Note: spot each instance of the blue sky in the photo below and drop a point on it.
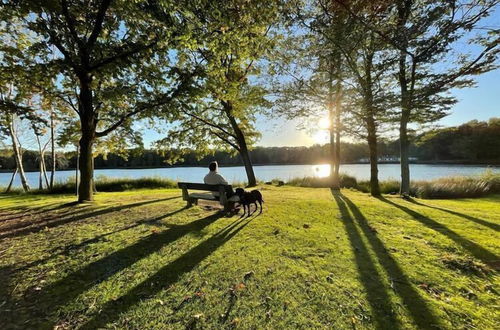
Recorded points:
(480, 102)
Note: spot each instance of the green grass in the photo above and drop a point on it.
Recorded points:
(140, 260)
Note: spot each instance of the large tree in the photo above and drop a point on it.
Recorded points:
(231, 38)
(109, 60)
(337, 55)
(425, 36)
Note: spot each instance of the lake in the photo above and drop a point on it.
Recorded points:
(269, 172)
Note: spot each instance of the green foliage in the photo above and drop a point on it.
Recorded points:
(231, 37)
(472, 141)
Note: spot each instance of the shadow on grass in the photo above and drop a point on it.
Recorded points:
(20, 212)
(473, 248)
(376, 290)
(28, 227)
(66, 251)
(5, 294)
(423, 317)
(491, 225)
(163, 278)
(57, 294)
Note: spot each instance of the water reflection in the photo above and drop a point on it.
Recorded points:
(269, 172)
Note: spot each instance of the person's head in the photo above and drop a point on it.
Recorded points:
(213, 166)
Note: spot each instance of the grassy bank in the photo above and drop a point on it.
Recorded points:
(107, 184)
(140, 260)
(450, 187)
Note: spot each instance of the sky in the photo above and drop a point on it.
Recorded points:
(480, 102)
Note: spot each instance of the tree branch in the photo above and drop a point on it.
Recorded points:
(208, 123)
(123, 55)
(98, 23)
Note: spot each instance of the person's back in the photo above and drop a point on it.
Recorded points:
(213, 177)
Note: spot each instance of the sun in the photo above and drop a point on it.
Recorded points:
(324, 122)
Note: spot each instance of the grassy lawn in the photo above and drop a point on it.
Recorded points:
(142, 260)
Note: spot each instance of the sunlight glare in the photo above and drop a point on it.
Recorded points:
(324, 123)
(321, 137)
(321, 171)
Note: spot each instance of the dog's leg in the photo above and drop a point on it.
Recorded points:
(260, 203)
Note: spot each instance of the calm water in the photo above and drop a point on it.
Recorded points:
(269, 172)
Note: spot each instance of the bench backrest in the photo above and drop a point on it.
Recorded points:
(205, 187)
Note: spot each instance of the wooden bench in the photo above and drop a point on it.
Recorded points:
(226, 194)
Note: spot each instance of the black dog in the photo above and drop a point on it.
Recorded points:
(249, 197)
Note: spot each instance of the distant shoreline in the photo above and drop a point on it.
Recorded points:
(451, 162)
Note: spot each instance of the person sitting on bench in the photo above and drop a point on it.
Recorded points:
(213, 177)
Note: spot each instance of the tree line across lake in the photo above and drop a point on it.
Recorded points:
(93, 74)
(473, 142)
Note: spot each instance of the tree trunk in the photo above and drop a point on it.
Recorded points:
(403, 128)
(40, 162)
(338, 111)
(404, 146)
(406, 89)
(18, 156)
(242, 144)
(40, 176)
(45, 170)
(88, 121)
(9, 187)
(331, 116)
(53, 149)
(85, 190)
(77, 170)
(245, 156)
(372, 145)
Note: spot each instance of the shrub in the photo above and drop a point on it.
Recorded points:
(346, 181)
(457, 187)
(106, 184)
(450, 187)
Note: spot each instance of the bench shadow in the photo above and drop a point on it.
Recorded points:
(491, 225)
(474, 249)
(165, 277)
(59, 293)
(25, 228)
(418, 309)
(376, 290)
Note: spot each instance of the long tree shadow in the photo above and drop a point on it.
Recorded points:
(376, 290)
(423, 317)
(166, 276)
(32, 210)
(68, 288)
(55, 220)
(68, 249)
(473, 248)
(5, 293)
(491, 225)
